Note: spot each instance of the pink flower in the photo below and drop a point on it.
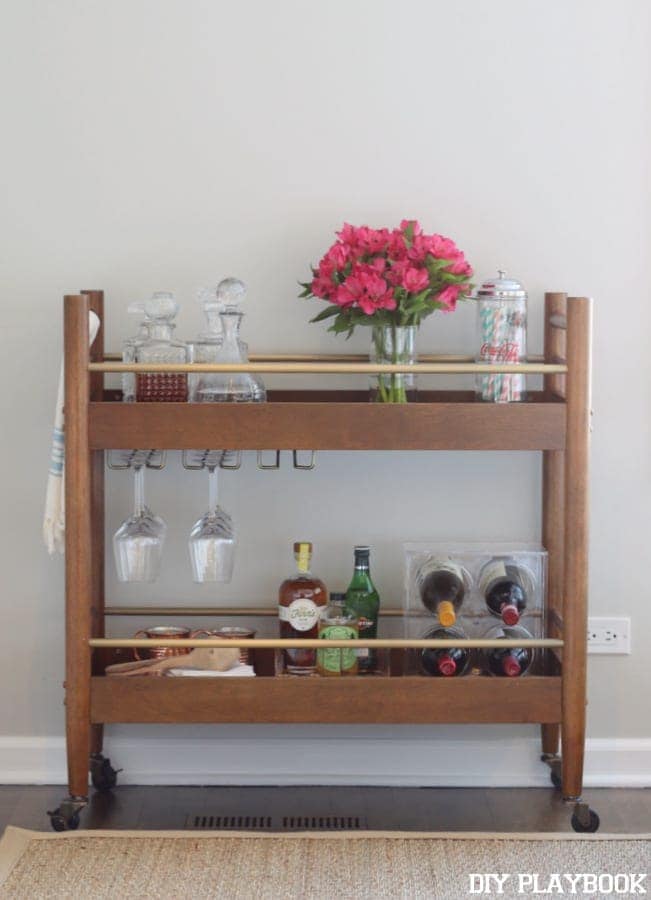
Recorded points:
(364, 288)
(460, 266)
(449, 296)
(415, 280)
(442, 247)
(348, 234)
(337, 256)
(378, 264)
(404, 225)
(376, 240)
(323, 286)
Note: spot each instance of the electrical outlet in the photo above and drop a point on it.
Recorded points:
(607, 635)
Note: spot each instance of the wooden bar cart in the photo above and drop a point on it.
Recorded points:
(555, 421)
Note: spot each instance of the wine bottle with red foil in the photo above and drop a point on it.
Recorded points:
(504, 587)
(442, 588)
(446, 662)
(508, 662)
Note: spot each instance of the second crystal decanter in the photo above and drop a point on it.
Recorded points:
(160, 347)
(229, 387)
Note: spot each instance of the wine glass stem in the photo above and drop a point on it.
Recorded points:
(139, 490)
(212, 491)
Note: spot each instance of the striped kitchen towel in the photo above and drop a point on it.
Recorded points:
(54, 520)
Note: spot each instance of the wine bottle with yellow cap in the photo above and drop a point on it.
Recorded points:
(441, 586)
(301, 601)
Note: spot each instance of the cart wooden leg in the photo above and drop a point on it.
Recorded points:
(553, 504)
(96, 303)
(79, 572)
(575, 608)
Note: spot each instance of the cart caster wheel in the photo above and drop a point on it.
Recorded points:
(555, 778)
(102, 774)
(585, 821)
(59, 822)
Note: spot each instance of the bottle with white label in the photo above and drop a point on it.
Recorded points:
(503, 585)
(301, 601)
(442, 589)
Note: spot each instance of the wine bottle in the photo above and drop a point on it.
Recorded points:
(449, 661)
(502, 583)
(363, 602)
(509, 662)
(441, 586)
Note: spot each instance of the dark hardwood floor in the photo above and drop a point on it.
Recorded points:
(420, 809)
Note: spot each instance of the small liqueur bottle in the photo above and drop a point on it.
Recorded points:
(502, 582)
(441, 586)
(363, 602)
(510, 662)
(337, 625)
(160, 347)
(301, 601)
(449, 661)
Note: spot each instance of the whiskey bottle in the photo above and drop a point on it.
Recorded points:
(301, 600)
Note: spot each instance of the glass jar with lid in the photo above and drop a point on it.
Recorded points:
(501, 338)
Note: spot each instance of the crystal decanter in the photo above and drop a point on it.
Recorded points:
(160, 347)
(129, 346)
(228, 387)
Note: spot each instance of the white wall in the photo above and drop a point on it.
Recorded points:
(165, 144)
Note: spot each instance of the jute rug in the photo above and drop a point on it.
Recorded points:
(98, 865)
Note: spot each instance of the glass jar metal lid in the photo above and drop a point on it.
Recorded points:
(501, 288)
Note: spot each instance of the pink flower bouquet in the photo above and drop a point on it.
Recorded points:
(373, 276)
(390, 280)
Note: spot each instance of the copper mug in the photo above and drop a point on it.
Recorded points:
(165, 632)
(230, 632)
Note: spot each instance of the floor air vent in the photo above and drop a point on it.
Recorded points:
(322, 823)
(235, 823)
(271, 823)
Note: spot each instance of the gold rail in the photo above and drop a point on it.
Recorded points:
(346, 357)
(212, 611)
(316, 643)
(336, 368)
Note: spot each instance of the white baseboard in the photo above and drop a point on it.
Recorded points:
(356, 761)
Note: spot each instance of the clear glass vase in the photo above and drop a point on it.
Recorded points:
(394, 344)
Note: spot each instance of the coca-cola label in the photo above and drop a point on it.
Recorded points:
(302, 614)
(505, 352)
(492, 571)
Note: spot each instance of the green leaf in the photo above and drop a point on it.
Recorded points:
(326, 313)
(409, 234)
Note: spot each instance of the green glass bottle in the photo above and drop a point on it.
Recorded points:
(363, 601)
